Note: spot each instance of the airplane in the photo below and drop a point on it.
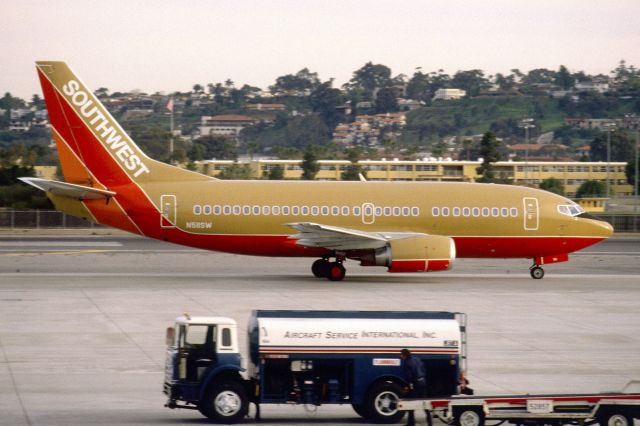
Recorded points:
(403, 226)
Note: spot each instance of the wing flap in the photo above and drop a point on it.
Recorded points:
(70, 190)
(344, 239)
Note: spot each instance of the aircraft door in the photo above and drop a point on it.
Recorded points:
(368, 213)
(169, 211)
(531, 214)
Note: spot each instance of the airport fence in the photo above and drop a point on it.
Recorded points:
(9, 218)
(41, 219)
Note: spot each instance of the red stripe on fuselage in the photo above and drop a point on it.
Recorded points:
(281, 245)
(521, 246)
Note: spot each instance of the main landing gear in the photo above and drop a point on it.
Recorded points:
(333, 271)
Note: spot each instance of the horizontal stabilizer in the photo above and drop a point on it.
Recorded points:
(70, 190)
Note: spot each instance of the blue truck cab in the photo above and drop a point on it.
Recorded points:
(311, 357)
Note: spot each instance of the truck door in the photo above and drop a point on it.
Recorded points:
(531, 216)
(169, 211)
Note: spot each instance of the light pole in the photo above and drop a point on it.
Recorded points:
(609, 127)
(526, 123)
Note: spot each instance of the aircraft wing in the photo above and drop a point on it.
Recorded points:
(337, 238)
(65, 189)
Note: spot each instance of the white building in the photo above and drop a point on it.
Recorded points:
(225, 125)
(448, 94)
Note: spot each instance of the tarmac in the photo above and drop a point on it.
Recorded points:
(83, 317)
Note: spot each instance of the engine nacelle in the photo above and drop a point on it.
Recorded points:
(428, 253)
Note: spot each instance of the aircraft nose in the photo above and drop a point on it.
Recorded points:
(607, 229)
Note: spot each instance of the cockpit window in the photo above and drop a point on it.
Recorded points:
(570, 210)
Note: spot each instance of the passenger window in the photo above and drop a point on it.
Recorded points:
(266, 210)
(335, 211)
(456, 211)
(275, 210)
(475, 211)
(217, 209)
(206, 209)
(485, 211)
(285, 210)
(256, 210)
(345, 211)
(305, 210)
(505, 212)
(197, 209)
(466, 211)
(405, 211)
(495, 212)
(415, 211)
(315, 211)
(387, 211)
(445, 211)
(514, 212)
(356, 211)
(246, 210)
(435, 211)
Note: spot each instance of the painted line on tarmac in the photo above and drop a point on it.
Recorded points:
(39, 252)
(605, 253)
(60, 244)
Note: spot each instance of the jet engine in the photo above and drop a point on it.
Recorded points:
(428, 253)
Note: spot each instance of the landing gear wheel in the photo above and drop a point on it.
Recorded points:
(336, 272)
(320, 268)
(537, 272)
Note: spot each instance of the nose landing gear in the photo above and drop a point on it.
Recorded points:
(333, 271)
(536, 272)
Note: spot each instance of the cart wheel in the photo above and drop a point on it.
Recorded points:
(615, 418)
(468, 416)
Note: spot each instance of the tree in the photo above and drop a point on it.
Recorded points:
(591, 188)
(418, 87)
(490, 152)
(276, 173)
(300, 81)
(386, 100)
(564, 78)
(324, 100)
(216, 146)
(197, 88)
(553, 185)
(353, 170)
(473, 81)
(310, 166)
(236, 172)
(306, 130)
(370, 77)
(621, 146)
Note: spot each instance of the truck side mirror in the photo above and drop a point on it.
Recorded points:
(171, 336)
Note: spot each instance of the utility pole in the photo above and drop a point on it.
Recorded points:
(170, 108)
(526, 123)
(609, 127)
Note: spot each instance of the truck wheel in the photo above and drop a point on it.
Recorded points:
(467, 416)
(615, 418)
(381, 403)
(225, 403)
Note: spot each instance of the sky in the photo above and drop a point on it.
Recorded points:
(169, 45)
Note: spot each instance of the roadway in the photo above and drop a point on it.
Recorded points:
(82, 320)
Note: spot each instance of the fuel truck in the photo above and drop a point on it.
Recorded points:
(311, 358)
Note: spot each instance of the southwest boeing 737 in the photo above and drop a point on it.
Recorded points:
(404, 226)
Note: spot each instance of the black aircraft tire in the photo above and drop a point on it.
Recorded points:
(320, 268)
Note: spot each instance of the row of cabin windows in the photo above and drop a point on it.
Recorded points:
(475, 211)
(366, 209)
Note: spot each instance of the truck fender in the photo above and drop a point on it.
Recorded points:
(222, 370)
